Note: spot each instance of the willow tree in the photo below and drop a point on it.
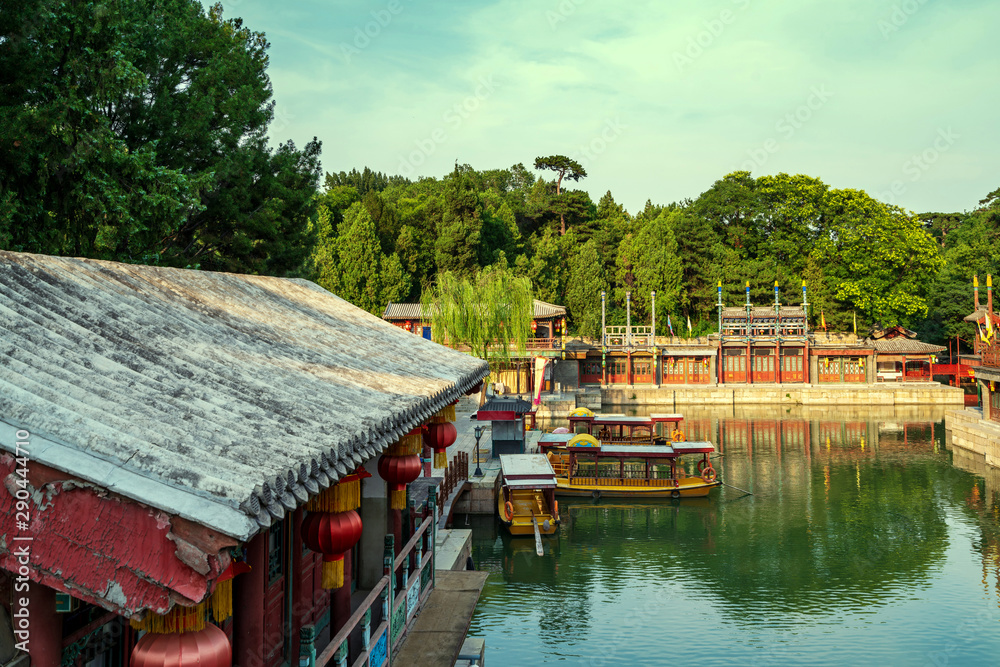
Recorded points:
(490, 313)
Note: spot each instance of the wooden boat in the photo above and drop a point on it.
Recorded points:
(617, 429)
(586, 466)
(526, 502)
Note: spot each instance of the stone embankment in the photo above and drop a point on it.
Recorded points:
(976, 437)
(669, 398)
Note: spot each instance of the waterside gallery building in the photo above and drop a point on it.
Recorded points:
(200, 468)
(756, 344)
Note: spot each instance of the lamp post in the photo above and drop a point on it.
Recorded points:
(479, 433)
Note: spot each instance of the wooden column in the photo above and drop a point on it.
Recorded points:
(301, 599)
(340, 600)
(248, 605)
(44, 624)
(777, 363)
(805, 362)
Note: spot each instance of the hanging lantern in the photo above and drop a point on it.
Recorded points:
(208, 647)
(400, 464)
(332, 534)
(332, 526)
(398, 471)
(534, 326)
(439, 437)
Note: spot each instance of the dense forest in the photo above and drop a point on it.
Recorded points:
(384, 238)
(131, 142)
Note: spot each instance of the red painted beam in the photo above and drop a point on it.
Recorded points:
(100, 547)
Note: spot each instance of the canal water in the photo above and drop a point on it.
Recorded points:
(866, 541)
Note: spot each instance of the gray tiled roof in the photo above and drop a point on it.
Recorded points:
(222, 398)
(903, 346)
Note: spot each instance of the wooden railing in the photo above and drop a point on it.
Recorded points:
(456, 473)
(636, 336)
(544, 344)
(407, 581)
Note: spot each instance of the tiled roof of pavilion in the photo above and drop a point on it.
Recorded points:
(225, 399)
(903, 346)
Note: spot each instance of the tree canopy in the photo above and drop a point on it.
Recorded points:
(565, 168)
(137, 131)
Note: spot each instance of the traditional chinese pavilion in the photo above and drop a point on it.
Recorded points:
(987, 348)
(201, 467)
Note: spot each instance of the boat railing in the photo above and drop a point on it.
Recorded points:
(646, 439)
(614, 481)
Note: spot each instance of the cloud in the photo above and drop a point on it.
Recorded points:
(565, 68)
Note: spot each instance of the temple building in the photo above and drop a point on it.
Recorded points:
(210, 461)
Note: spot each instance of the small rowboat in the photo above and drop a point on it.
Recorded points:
(526, 503)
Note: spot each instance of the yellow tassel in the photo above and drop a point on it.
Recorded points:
(340, 497)
(177, 620)
(441, 459)
(222, 600)
(446, 414)
(333, 573)
(397, 499)
(408, 445)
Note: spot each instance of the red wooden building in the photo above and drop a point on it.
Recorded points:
(185, 449)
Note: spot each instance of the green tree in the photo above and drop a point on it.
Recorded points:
(547, 267)
(881, 258)
(138, 131)
(586, 279)
(352, 264)
(565, 168)
(490, 312)
(648, 261)
(460, 230)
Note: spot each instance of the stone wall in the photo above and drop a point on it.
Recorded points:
(670, 398)
(968, 431)
(566, 373)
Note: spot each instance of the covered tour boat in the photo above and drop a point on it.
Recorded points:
(617, 429)
(586, 466)
(526, 502)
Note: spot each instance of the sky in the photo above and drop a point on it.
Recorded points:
(657, 100)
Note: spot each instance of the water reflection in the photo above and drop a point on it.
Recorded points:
(860, 536)
(981, 496)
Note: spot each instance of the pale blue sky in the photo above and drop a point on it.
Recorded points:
(657, 99)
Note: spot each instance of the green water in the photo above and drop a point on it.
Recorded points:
(863, 543)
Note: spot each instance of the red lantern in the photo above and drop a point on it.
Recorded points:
(332, 535)
(439, 437)
(207, 648)
(534, 326)
(398, 471)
